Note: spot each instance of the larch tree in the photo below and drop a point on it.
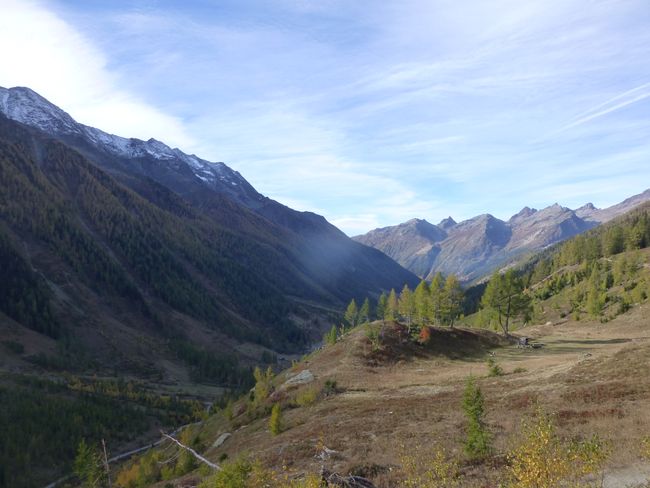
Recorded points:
(351, 316)
(392, 306)
(382, 306)
(364, 312)
(505, 296)
(422, 298)
(407, 306)
(436, 290)
(452, 299)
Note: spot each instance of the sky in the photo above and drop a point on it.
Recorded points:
(367, 112)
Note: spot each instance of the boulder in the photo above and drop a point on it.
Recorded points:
(221, 439)
(302, 378)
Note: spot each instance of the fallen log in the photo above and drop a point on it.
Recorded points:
(191, 451)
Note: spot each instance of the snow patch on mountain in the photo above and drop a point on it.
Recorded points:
(28, 107)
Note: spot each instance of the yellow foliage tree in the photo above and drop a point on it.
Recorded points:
(428, 469)
(543, 460)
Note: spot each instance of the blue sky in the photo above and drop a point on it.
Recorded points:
(370, 113)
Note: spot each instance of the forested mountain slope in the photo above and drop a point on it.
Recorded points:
(86, 250)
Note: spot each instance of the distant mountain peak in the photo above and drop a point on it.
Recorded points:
(588, 206)
(477, 246)
(414, 221)
(447, 223)
(523, 213)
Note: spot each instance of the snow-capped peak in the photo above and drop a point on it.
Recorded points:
(28, 107)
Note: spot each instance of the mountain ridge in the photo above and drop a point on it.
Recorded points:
(136, 244)
(476, 246)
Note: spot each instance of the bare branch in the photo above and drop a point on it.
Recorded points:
(192, 451)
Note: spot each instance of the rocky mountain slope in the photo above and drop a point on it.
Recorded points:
(473, 248)
(135, 253)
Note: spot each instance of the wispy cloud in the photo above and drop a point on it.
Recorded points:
(608, 108)
(369, 113)
(51, 56)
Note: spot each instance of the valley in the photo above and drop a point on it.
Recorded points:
(149, 290)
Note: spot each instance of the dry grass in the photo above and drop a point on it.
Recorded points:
(593, 376)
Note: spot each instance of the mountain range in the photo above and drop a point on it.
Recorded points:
(134, 251)
(475, 247)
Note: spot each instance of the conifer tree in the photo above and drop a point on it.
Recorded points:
(595, 296)
(436, 290)
(364, 312)
(478, 440)
(452, 299)
(88, 466)
(330, 337)
(275, 422)
(422, 298)
(406, 306)
(504, 296)
(382, 306)
(352, 314)
(392, 306)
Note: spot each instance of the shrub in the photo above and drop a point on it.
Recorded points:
(373, 335)
(428, 470)
(494, 368)
(330, 387)
(645, 447)
(244, 473)
(542, 460)
(330, 337)
(425, 335)
(262, 385)
(232, 475)
(307, 397)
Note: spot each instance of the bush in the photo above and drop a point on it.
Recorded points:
(232, 475)
(425, 335)
(244, 473)
(494, 368)
(307, 397)
(428, 469)
(330, 387)
(645, 447)
(542, 460)
(374, 336)
(330, 337)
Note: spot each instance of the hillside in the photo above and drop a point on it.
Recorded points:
(386, 406)
(128, 303)
(474, 248)
(124, 235)
(375, 411)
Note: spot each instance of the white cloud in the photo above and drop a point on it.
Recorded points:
(47, 54)
(367, 113)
